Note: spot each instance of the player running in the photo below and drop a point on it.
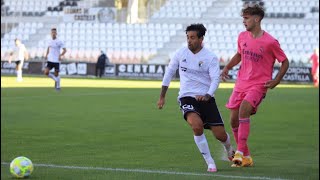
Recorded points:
(199, 78)
(257, 52)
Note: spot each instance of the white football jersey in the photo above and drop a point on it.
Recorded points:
(19, 52)
(54, 50)
(199, 73)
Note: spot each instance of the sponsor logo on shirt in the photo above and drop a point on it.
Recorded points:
(251, 55)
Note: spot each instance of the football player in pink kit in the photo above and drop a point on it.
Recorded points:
(257, 52)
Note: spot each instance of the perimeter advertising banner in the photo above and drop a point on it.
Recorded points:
(143, 71)
(140, 70)
(294, 74)
(31, 67)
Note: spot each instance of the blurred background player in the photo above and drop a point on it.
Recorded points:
(53, 57)
(199, 78)
(257, 52)
(19, 54)
(314, 59)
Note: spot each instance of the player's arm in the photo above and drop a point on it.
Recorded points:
(165, 84)
(233, 62)
(162, 98)
(26, 54)
(46, 57)
(64, 50)
(283, 69)
(170, 72)
(10, 56)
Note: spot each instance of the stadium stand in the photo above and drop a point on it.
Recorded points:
(294, 23)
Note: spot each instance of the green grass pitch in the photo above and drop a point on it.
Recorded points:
(112, 129)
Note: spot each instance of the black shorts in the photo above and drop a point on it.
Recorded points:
(207, 110)
(18, 62)
(51, 65)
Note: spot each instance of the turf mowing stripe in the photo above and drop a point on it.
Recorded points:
(63, 95)
(152, 171)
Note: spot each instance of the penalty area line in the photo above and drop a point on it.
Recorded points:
(151, 171)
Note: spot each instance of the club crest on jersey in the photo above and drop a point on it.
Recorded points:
(261, 49)
(183, 69)
(185, 60)
(200, 63)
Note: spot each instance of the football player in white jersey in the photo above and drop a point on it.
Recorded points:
(199, 72)
(19, 54)
(53, 57)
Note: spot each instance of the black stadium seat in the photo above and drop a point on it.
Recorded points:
(286, 15)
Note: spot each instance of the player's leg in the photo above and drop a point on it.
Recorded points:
(245, 111)
(56, 74)
(47, 69)
(316, 78)
(200, 139)
(190, 108)
(213, 120)
(234, 105)
(220, 133)
(19, 65)
(101, 71)
(234, 121)
(248, 107)
(97, 71)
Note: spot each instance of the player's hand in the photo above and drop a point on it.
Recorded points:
(46, 57)
(60, 57)
(203, 98)
(161, 103)
(271, 84)
(224, 74)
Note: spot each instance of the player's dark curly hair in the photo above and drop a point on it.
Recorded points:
(253, 9)
(201, 30)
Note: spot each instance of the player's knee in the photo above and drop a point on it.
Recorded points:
(197, 130)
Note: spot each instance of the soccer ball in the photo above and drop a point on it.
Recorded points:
(21, 167)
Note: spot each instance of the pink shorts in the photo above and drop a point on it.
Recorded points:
(252, 96)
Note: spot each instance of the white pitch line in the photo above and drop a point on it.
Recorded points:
(152, 171)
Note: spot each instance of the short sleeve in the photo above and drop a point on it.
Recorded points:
(278, 52)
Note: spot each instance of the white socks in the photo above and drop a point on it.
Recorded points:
(19, 75)
(202, 144)
(52, 76)
(56, 79)
(227, 143)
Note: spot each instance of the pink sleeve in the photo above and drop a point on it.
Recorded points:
(278, 52)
